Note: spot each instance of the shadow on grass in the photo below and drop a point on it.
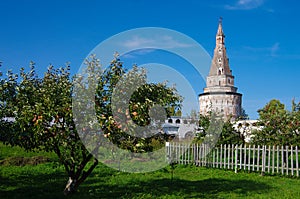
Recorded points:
(28, 185)
(39, 185)
(208, 188)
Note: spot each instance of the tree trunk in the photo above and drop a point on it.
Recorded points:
(75, 180)
(71, 186)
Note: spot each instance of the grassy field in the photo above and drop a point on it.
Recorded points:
(47, 180)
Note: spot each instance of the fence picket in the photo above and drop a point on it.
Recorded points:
(273, 158)
(218, 165)
(269, 158)
(282, 160)
(258, 156)
(225, 154)
(249, 157)
(297, 165)
(292, 161)
(236, 158)
(242, 149)
(287, 159)
(221, 151)
(277, 149)
(263, 156)
(253, 159)
(214, 154)
(266, 159)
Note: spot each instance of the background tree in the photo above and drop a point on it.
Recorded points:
(244, 115)
(280, 127)
(230, 136)
(7, 99)
(225, 132)
(295, 106)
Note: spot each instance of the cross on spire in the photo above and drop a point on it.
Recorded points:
(220, 20)
(220, 29)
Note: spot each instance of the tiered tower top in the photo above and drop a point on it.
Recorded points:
(220, 62)
(220, 77)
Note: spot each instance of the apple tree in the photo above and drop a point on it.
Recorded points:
(43, 113)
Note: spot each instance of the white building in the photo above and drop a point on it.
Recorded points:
(183, 128)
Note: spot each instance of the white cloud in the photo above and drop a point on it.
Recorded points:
(271, 51)
(245, 5)
(274, 49)
(137, 53)
(166, 42)
(137, 41)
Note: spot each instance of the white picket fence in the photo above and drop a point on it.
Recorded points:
(265, 159)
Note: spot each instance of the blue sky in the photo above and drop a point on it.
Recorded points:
(261, 36)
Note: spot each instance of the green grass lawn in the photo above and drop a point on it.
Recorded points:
(47, 180)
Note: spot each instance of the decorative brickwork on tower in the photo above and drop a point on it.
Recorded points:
(220, 95)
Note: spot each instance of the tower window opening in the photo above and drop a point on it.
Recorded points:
(220, 71)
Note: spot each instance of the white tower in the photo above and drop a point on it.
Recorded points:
(220, 95)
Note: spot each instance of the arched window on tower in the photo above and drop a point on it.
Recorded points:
(220, 71)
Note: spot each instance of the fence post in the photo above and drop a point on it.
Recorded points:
(292, 161)
(297, 164)
(282, 160)
(253, 168)
(258, 157)
(241, 156)
(287, 159)
(218, 162)
(232, 153)
(249, 158)
(269, 158)
(213, 159)
(277, 150)
(263, 160)
(205, 154)
(273, 157)
(236, 158)
(225, 155)
(228, 156)
(221, 158)
(200, 155)
(188, 153)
